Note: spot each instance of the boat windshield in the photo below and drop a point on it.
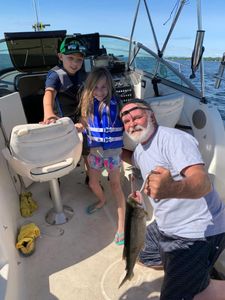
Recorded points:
(145, 60)
(141, 59)
(5, 60)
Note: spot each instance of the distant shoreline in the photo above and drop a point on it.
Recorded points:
(189, 58)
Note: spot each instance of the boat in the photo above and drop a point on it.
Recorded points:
(75, 256)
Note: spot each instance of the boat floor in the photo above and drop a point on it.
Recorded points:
(79, 259)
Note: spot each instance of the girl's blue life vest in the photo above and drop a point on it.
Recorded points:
(105, 129)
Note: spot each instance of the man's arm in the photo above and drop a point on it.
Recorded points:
(194, 184)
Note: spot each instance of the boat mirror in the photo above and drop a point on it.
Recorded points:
(219, 75)
(197, 52)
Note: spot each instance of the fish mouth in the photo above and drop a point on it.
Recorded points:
(131, 200)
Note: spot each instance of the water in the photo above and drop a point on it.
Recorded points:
(214, 96)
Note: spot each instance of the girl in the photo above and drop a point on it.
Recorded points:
(100, 115)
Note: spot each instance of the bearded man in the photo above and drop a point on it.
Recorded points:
(188, 233)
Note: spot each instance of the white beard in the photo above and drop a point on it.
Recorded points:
(140, 134)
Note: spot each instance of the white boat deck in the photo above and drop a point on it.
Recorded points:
(79, 260)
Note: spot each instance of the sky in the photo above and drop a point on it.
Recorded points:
(116, 17)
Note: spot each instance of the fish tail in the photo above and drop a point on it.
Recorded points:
(127, 277)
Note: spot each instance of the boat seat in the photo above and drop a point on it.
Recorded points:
(167, 108)
(31, 88)
(46, 153)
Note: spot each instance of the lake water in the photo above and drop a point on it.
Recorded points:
(215, 96)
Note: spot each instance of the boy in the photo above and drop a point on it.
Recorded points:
(63, 83)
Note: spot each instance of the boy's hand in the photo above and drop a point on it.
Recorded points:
(49, 120)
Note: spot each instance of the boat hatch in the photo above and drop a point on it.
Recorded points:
(34, 51)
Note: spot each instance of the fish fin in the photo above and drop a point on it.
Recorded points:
(127, 277)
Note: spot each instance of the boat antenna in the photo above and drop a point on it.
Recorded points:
(38, 26)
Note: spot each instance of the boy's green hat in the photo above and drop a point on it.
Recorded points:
(70, 46)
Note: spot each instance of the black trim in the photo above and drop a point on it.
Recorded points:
(34, 35)
(179, 126)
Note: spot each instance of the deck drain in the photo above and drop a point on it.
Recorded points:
(145, 284)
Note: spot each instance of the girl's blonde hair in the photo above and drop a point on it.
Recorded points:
(87, 98)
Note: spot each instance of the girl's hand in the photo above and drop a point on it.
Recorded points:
(79, 127)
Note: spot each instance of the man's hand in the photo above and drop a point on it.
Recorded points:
(194, 184)
(159, 183)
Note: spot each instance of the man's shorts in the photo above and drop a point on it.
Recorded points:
(109, 163)
(187, 262)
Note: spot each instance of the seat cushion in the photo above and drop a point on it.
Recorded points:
(167, 108)
(42, 145)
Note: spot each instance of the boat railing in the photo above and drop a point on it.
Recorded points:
(175, 63)
(155, 66)
(167, 63)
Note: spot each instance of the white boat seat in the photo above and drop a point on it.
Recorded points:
(46, 153)
(57, 169)
(167, 108)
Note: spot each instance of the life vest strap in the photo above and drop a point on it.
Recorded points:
(106, 129)
(106, 139)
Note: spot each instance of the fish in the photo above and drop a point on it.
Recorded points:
(134, 235)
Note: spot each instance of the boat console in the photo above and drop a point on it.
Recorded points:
(124, 86)
(121, 78)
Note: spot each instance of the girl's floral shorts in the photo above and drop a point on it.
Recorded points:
(109, 163)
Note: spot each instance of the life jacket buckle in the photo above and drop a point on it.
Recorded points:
(107, 139)
(107, 129)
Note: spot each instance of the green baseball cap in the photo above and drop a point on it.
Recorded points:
(70, 46)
